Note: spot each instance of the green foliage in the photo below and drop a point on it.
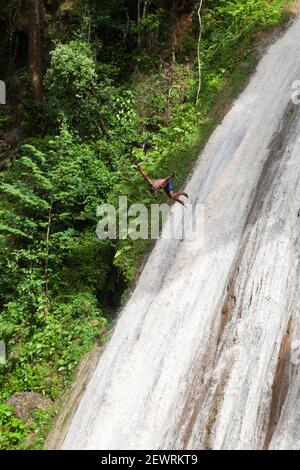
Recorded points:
(5, 119)
(12, 430)
(111, 102)
(168, 120)
(70, 79)
(78, 92)
(231, 25)
(15, 434)
(48, 355)
(48, 329)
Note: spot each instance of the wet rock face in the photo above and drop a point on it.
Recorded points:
(206, 353)
(26, 402)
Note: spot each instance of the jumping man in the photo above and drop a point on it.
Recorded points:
(166, 184)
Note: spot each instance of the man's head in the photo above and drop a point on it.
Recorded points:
(153, 189)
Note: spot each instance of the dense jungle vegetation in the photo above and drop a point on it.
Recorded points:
(93, 88)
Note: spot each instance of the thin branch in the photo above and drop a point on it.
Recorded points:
(89, 29)
(138, 21)
(47, 250)
(199, 50)
(125, 32)
(145, 9)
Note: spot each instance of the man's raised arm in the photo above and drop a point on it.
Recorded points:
(144, 175)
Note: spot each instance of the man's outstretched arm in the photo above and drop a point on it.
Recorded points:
(144, 175)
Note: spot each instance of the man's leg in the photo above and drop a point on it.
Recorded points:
(182, 194)
(180, 202)
(175, 196)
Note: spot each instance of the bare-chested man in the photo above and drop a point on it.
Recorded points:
(165, 184)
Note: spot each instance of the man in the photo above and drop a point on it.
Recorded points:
(165, 184)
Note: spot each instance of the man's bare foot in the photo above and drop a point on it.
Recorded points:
(181, 202)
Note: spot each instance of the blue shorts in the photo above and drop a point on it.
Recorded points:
(169, 187)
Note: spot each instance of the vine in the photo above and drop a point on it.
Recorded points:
(199, 50)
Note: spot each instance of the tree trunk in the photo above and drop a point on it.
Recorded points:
(138, 22)
(35, 49)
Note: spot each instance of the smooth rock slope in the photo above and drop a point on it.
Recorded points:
(205, 354)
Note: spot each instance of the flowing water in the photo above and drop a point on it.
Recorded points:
(205, 353)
